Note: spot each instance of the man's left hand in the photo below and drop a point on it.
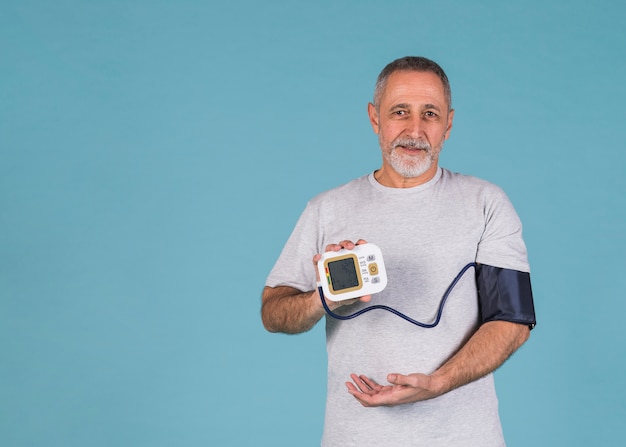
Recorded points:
(403, 389)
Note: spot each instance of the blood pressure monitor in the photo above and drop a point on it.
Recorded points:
(347, 274)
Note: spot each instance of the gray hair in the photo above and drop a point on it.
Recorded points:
(411, 63)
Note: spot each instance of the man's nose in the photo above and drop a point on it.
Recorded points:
(414, 127)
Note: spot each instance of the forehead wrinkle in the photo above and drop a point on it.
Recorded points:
(409, 87)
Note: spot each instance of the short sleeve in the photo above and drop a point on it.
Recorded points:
(501, 244)
(294, 267)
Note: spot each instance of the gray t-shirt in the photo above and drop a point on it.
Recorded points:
(427, 235)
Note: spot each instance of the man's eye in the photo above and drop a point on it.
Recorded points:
(430, 114)
(400, 112)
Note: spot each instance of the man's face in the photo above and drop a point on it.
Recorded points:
(412, 122)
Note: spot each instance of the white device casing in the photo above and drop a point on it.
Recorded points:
(347, 274)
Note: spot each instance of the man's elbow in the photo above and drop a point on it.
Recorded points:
(521, 334)
(267, 323)
(524, 333)
(266, 319)
(270, 317)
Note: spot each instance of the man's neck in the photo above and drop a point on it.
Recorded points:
(386, 176)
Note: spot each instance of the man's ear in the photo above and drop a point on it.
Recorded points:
(373, 114)
(449, 126)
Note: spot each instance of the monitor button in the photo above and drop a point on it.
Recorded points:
(373, 268)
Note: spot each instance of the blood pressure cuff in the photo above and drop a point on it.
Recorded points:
(505, 295)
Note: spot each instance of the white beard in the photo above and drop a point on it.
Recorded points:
(411, 166)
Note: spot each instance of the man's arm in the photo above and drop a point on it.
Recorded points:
(490, 346)
(289, 310)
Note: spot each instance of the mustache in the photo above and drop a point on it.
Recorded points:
(412, 143)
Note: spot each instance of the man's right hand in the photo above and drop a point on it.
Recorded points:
(347, 245)
(289, 310)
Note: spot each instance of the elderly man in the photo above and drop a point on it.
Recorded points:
(391, 383)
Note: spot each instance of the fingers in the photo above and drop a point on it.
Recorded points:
(402, 390)
(316, 259)
(368, 392)
(364, 384)
(347, 244)
(364, 389)
(365, 298)
(371, 384)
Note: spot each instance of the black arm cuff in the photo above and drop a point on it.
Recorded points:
(505, 295)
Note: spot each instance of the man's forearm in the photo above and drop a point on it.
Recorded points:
(285, 309)
(490, 346)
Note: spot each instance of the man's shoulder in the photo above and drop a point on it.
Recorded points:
(346, 191)
(469, 182)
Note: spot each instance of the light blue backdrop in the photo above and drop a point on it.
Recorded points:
(155, 156)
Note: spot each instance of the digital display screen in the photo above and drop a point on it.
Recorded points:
(343, 274)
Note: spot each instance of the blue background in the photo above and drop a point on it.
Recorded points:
(155, 156)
